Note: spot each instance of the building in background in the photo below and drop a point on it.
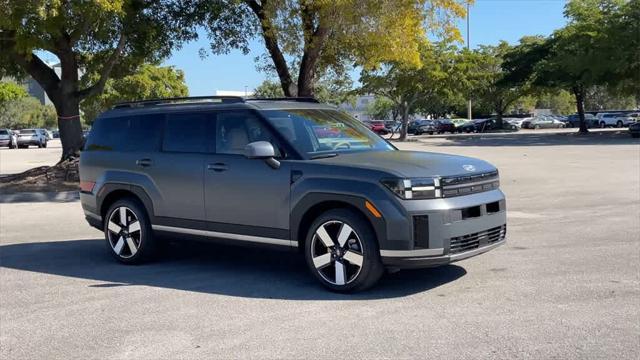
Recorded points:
(233, 93)
(359, 109)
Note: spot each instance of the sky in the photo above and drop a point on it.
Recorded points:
(490, 22)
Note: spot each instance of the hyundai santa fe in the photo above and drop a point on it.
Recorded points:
(289, 173)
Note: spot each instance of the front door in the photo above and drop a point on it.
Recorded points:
(245, 196)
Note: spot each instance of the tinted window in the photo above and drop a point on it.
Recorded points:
(3, 132)
(132, 133)
(188, 132)
(28, 131)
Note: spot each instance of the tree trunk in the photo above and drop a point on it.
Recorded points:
(405, 123)
(578, 91)
(499, 120)
(68, 109)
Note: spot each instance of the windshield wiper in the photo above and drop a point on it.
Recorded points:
(323, 156)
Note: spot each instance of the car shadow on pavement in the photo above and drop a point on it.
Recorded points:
(209, 268)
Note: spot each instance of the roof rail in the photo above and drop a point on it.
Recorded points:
(298, 99)
(185, 100)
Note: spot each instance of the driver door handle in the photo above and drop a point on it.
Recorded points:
(217, 167)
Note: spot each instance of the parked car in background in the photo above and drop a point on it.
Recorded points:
(630, 118)
(55, 134)
(484, 125)
(377, 126)
(542, 122)
(48, 134)
(459, 122)
(634, 130)
(419, 127)
(36, 137)
(574, 120)
(444, 125)
(8, 138)
(611, 119)
(517, 122)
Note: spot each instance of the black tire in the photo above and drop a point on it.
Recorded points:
(40, 145)
(430, 132)
(45, 144)
(603, 125)
(353, 278)
(619, 124)
(145, 242)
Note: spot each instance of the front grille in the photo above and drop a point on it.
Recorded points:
(469, 184)
(473, 241)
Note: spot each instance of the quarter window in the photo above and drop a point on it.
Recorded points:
(130, 133)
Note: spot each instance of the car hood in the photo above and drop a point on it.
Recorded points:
(411, 164)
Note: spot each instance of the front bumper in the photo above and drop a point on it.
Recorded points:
(409, 261)
(447, 230)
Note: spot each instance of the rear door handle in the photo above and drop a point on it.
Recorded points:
(218, 167)
(144, 162)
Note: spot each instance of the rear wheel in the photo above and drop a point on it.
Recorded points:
(603, 124)
(45, 144)
(128, 232)
(342, 252)
(619, 124)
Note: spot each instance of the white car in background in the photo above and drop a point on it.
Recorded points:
(37, 137)
(8, 138)
(612, 119)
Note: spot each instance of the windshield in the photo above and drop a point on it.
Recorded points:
(317, 132)
(28, 131)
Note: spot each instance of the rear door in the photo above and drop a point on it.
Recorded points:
(245, 196)
(177, 170)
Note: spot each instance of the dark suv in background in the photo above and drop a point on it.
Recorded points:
(268, 172)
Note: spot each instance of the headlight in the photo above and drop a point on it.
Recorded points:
(426, 188)
(445, 187)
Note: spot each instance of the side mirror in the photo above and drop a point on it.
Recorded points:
(262, 150)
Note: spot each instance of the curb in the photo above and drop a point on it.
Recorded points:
(31, 197)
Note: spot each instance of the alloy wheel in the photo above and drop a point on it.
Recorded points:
(124, 232)
(337, 252)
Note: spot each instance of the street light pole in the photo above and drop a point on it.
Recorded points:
(468, 47)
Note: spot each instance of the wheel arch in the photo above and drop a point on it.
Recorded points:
(310, 207)
(110, 193)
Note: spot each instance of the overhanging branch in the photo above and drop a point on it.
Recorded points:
(106, 70)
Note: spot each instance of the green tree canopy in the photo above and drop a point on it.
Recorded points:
(26, 112)
(11, 91)
(427, 88)
(107, 38)
(315, 37)
(149, 82)
(580, 56)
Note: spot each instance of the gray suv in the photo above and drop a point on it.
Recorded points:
(288, 173)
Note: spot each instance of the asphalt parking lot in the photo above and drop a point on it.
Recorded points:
(566, 285)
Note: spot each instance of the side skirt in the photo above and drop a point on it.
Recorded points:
(223, 235)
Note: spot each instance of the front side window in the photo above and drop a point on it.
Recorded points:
(317, 132)
(236, 129)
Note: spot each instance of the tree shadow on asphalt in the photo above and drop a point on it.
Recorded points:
(621, 137)
(209, 268)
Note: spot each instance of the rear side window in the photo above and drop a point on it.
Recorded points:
(188, 132)
(132, 133)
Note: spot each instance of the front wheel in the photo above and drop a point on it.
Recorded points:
(603, 125)
(342, 252)
(619, 124)
(128, 232)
